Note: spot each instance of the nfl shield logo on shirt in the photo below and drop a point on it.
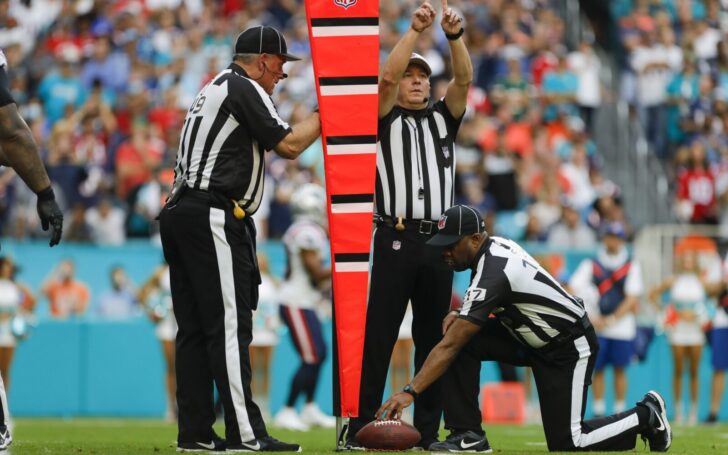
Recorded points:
(446, 152)
(345, 3)
(441, 222)
(396, 245)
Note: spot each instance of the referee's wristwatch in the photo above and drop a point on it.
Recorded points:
(408, 389)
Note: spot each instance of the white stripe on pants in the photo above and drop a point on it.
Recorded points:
(232, 346)
(577, 395)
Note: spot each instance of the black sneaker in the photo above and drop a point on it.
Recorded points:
(216, 444)
(711, 419)
(266, 444)
(423, 446)
(658, 432)
(463, 442)
(5, 439)
(351, 444)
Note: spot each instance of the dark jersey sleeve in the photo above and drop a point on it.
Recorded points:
(489, 292)
(5, 96)
(453, 124)
(254, 108)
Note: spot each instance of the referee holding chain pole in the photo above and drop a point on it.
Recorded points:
(414, 186)
(208, 237)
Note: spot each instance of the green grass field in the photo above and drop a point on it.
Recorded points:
(122, 436)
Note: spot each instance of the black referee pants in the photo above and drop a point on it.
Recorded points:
(562, 379)
(214, 280)
(403, 269)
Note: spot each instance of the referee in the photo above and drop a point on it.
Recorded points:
(414, 186)
(515, 312)
(208, 238)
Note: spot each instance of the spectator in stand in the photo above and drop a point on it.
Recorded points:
(560, 86)
(106, 223)
(61, 89)
(120, 301)
(109, 68)
(75, 227)
(682, 91)
(500, 167)
(136, 159)
(66, 295)
(571, 232)
(577, 172)
(587, 67)
(696, 198)
(655, 64)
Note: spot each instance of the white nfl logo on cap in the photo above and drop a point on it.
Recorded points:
(441, 223)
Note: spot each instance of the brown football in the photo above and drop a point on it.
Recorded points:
(388, 435)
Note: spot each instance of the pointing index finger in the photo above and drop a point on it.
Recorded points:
(444, 6)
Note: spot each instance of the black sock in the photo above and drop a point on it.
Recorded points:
(643, 416)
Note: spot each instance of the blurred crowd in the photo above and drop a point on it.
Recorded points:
(105, 86)
(675, 76)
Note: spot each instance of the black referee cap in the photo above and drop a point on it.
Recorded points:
(457, 222)
(263, 40)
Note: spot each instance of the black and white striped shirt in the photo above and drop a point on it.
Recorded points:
(416, 162)
(509, 284)
(228, 128)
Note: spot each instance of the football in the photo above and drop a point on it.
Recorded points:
(388, 435)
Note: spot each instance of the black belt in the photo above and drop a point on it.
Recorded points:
(420, 226)
(579, 328)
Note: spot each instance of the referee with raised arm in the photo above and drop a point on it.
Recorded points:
(208, 238)
(414, 186)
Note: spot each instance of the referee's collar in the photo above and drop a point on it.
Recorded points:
(416, 113)
(238, 69)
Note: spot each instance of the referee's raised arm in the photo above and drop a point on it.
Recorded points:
(398, 60)
(457, 90)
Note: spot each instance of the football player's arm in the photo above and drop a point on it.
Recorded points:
(312, 263)
(435, 366)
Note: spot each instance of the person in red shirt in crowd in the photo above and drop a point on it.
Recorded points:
(136, 159)
(696, 201)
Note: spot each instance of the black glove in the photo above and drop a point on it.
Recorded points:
(50, 214)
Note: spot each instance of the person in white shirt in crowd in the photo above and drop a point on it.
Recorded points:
(705, 43)
(585, 63)
(106, 223)
(265, 335)
(306, 242)
(611, 285)
(119, 302)
(156, 297)
(571, 231)
(686, 315)
(655, 64)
